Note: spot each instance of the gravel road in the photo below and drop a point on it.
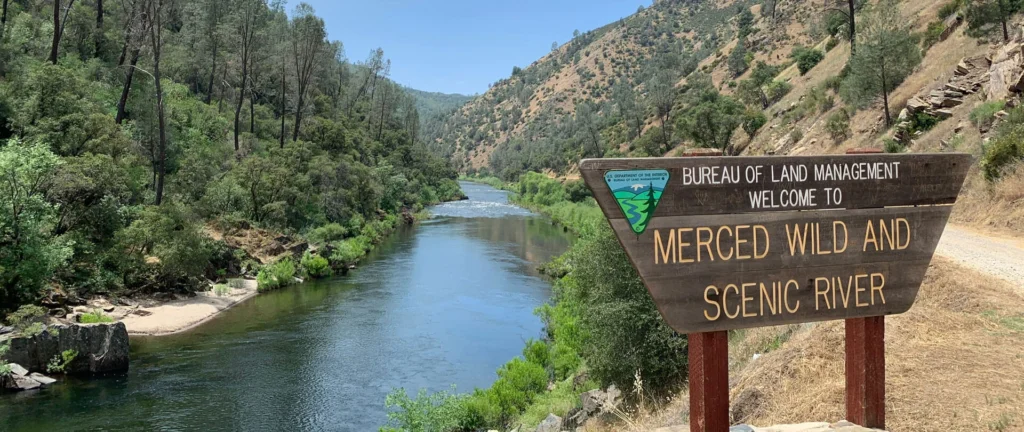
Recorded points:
(995, 256)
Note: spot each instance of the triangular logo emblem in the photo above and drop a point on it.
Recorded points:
(638, 193)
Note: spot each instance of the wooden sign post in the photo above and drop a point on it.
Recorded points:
(726, 243)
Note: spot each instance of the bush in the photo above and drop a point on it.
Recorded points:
(806, 58)
(776, 90)
(442, 411)
(327, 233)
(95, 317)
(236, 283)
(923, 121)
(1006, 149)
(893, 146)
(60, 363)
(796, 135)
(984, 115)
(753, 120)
(277, 275)
(5, 368)
(28, 320)
(838, 126)
(221, 290)
(315, 266)
(933, 33)
(950, 8)
(348, 251)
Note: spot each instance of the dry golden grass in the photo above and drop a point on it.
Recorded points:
(997, 207)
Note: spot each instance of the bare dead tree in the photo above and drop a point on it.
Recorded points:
(252, 11)
(307, 34)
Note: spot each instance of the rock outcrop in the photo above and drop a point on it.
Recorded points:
(102, 348)
(552, 423)
(969, 77)
(20, 380)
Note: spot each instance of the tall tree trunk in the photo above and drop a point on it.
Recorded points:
(124, 53)
(99, 27)
(3, 20)
(241, 100)
(213, 75)
(383, 109)
(853, 28)
(123, 102)
(220, 101)
(298, 116)
(157, 41)
(252, 113)
(885, 97)
(56, 32)
(1002, 20)
(283, 97)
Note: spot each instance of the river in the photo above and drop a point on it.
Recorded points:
(445, 302)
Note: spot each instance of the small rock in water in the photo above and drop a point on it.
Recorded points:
(16, 383)
(17, 370)
(42, 379)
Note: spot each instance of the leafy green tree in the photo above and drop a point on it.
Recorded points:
(806, 58)
(888, 54)
(710, 119)
(753, 121)
(983, 12)
(661, 96)
(28, 253)
(737, 61)
(745, 22)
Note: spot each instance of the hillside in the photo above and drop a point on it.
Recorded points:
(434, 104)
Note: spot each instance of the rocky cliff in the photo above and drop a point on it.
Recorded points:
(102, 349)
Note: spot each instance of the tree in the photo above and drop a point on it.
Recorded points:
(152, 14)
(587, 128)
(99, 28)
(738, 58)
(554, 45)
(212, 13)
(135, 35)
(710, 119)
(251, 19)
(745, 22)
(629, 107)
(307, 35)
(662, 98)
(3, 20)
(806, 58)
(888, 54)
(752, 90)
(982, 12)
(28, 255)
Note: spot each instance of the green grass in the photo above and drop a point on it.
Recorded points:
(95, 317)
(558, 402)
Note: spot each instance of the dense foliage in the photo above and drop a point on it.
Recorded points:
(125, 134)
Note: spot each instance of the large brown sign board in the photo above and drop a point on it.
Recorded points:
(738, 242)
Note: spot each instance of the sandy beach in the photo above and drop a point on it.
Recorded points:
(182, 315)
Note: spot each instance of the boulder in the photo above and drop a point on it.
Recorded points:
(916, 105)
(42, 379)
(552, 423)
(102, 348)
(943, 114)
(6, 330)
(962, 68)
(904, 115)
(18, 383)
(17, 370)
(946, 102)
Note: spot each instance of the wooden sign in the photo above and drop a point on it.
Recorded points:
(738, 242)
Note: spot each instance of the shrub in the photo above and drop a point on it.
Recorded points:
(833, 82)
(950, 8)
(933, 33)
(95, 317)
(1003, 151)
(776, 90)
(893, 146)
(923, 121)
(327, 233)
(59, 363)
(28, 320)
(347, 251)
(519, 381)
(221, 290)
(984, 115)
(753, 120)
(236, 283)
(796, 135)
(315, 266)
(806, 58)
(838, 126)
(277, 275)
(441, 411)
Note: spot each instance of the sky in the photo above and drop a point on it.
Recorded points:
(460, 46)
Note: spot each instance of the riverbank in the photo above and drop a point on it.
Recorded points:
(178, 316)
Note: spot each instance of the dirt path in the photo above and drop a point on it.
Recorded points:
(998, 257)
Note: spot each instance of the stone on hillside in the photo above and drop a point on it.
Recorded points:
(904, 115)
(6, 330)
(1001, 115)
(945, 102)
(943, 114)
(552, 423)
(955, 88)
(102, 348)
(17, 370)
(42, 379)
(962, 68)
(1001, 77)
(916, 105)
(960, 127)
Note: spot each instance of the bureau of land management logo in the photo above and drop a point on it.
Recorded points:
(638, 193)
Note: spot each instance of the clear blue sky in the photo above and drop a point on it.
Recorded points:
(459, 46)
